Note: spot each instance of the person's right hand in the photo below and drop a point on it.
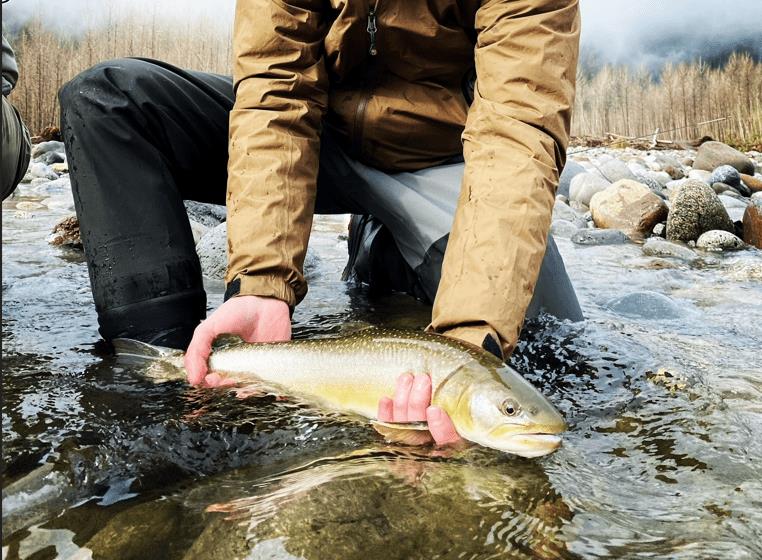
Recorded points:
(253, 318)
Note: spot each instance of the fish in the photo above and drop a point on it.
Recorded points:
(489, 403)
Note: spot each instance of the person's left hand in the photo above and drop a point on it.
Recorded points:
(412, 397)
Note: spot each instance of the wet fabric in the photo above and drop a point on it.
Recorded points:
(16, 143)
(400, 105)
(142, 136)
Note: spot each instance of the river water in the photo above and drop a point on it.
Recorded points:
(100, 463)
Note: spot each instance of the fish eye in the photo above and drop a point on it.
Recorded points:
(509, 407)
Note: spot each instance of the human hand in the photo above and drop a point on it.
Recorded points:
(253, 318)
(412, 397)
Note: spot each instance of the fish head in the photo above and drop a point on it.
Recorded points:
(506, 412)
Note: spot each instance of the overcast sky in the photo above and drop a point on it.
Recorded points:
(635, 32)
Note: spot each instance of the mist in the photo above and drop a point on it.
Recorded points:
(647, 33)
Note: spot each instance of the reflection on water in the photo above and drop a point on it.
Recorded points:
(662, 459)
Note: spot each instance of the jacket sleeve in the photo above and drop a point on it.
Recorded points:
(514, 146)
(280, 98)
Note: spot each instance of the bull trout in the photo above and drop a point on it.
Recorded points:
(489, 402)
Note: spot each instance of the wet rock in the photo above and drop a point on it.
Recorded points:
(47, 147)
(599, 237)
(725, 174)
(753, 183)
(696, 209)
(212, 252)
(628, 206)
(712, 155)
(752, 223)
(585, 185)
(66, 233)
(700, 175)
(63, 201)
(615, 170)
(210, 215)
(42, 171)
(563, 229)
(645, 305)
(571, 170)
(718, 240)
(51, 158)
(657, 247)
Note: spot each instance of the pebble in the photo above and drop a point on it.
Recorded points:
(657, 247)
(599, 237)
(628, 206)
(696, 208)
(585, 185)
(660, 230)
(712, 155)
(718, 240)
(646, 305)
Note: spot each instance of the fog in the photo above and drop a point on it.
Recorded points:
(633, 32)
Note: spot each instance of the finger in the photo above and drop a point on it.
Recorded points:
(441, 427)
(420, 398)
(401, 396)
(216, 380)
(197, 354)
(385, 409)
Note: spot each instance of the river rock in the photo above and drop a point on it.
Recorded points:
(657, 247)
(563, 211)
(720, 188)
(585, 185)
(754, 183)
(696, 208)
(571, 170)
(599, 237)
(718, 240)
(42, 171)
(712, 155)
(46, 147)
(733, 200)
(615, 170)
(660, 230)
(210, 215)
(661, 177)
(654, 185)
(212, 252)
(700, 175)
(198, 230)
(62, 167)
(645, 305)
(628, 206)
(725, 174)
(752, 223)
(563, 228)
(66, 233)
(51, 158)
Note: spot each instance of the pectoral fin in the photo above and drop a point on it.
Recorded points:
(408, 433)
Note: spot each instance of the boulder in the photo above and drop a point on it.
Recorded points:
(718, 240)
(615, 170)
(712, 155)
(628, 206)
(657, 247)
(585, 185)
(696, 208)
(599, 237)
(571, 170)
(754, 183)
(212, 252)
(752, 223)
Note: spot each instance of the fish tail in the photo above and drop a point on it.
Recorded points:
(165, 364)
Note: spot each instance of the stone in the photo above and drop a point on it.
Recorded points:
(578, 206)
(700, 175)
(209, 215)
(736, 214)
(661, 177)
(562, 199)
(673, 185)
(52, 157)
(571, 170)
(718, 240)
(66, 233)
(696, 208)
(61, 201)
(198, 230)
(660, 230)
(599, 237)
(563, 228)
(645, 305)
(45, 147)
(42, 171)
(712, 155)
(721, 187)
(729, 201)
(757, 196)
(654, 185)
(628, 206)
(615, 170)
(212, 252)
(562, 211)
(753, 183)
(675, 171)
(752, 223)
(725, 174)
(657, 247)
(585, 185)
(62, 167)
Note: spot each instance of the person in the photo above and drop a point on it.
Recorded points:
(17, 146)
(441, 126)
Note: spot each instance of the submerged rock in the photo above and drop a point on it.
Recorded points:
(718, 240)
(599, 237)
(752, 223)
(696, 208)
(657, 247)
(645, 305)
(712, 155)
(628, 206)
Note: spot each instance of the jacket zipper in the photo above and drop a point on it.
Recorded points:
(362, 105)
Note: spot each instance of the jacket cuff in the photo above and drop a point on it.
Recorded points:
(479, 335)
(263, 286)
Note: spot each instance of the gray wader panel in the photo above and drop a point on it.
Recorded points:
(16, 149)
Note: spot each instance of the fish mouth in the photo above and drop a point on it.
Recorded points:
(528, 445)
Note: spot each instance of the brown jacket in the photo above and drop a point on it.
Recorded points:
(303, 64)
